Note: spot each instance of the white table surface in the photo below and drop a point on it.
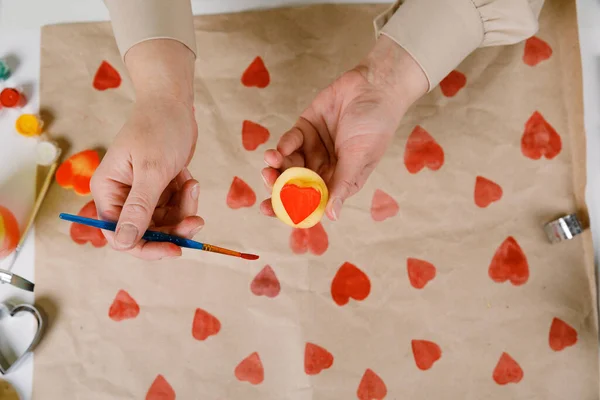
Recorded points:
(20, 22)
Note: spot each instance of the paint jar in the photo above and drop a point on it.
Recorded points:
(12, 98)
(29, 125)
(4, 71)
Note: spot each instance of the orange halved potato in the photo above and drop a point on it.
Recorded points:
(299, 197)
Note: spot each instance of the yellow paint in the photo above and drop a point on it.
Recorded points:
(302, 177)
(29, 125)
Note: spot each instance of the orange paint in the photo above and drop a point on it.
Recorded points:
(107, 77)
(265, 283)
(10, 98)
(123, 307)
(426, 353)
(452, 83)
(256, 74)
(312, 239)
(81, 234)
(371, 387)
(250, 370)
(299, 202)
(240, 194)
(422, 151)
(561, 335)
(253, 135)
(76, 172)
(509, 263)
(486, 192)
(536, 50)
(204, 325)
(316, 359)
(383, 206)
(349, 282)
(507, 370)
(420, 272)
(540, 139)
(9, 232)
(160, 390)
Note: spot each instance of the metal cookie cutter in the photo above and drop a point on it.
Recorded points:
(6, 364)
(16, 280)
(564, 228)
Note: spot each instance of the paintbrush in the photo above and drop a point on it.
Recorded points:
(154, 236)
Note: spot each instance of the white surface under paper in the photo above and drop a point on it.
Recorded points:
(20, 22)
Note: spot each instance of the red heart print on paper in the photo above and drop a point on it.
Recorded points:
(204, 325)
(81, 234)
(561, 335)
(422, 151)
(299, 202)
(314, 239)
(536, 51)
(452, 83)
(420, 272)
(160, 390)
(240, 194)
(123, 307)
(256, 74)
(383, 206)
(371, 387)
(106, 77)
(253, 135)
(349, 282)
(507, 370)
(316, 359)
(426, 353)
(265, 283)
(509, 263)
(486, 192)
(250, 370)
(540, 139)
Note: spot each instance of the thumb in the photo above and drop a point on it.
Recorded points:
(348, 178)
(137, 211)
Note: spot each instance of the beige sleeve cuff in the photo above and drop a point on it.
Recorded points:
(440, 34)
(135, 21)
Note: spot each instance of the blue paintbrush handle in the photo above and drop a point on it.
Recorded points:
(151, 236)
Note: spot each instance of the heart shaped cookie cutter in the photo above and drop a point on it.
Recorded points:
(7, 365)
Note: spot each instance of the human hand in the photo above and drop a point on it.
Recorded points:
(142, 182)
(344, 133)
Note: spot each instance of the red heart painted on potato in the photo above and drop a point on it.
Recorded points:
(299, 202)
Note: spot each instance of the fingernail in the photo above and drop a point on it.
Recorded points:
(196, 191)
(264, 179)
(336, 209)
(126, 235)
(197, 229)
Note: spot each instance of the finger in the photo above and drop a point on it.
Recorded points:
(290, 141)
(293, 160)
(349, 176)
(315, 151)
(269, 176)
(187, 201)
(266, 208)
(137, 211)
(152, 251)
(108, 191)
(186, 228)
(273, 158)
(166, 195)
